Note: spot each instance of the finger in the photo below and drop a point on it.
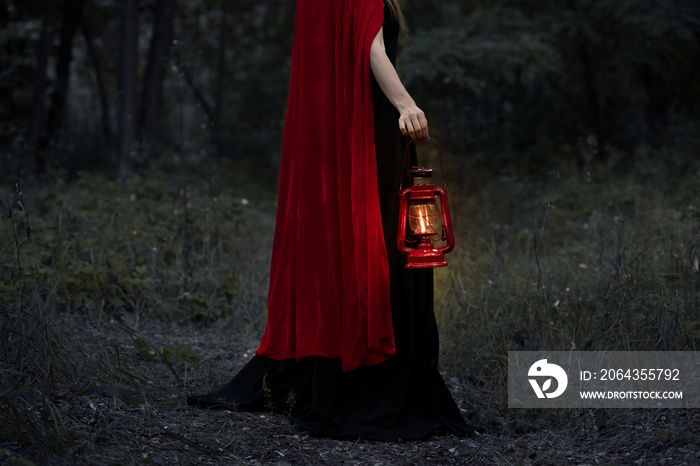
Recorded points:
(419, 128)
(410, 129)
(425, 133)
(403, 128)
(417, 131)
(424, 126)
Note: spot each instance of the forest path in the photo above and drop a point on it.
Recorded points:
(133, 400)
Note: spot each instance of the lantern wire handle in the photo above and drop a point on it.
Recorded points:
(405, 156)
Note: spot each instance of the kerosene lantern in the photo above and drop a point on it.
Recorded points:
(423, 208)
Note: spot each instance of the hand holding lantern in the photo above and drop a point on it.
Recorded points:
(423, 207)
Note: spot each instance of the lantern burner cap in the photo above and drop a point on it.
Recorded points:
(420, 172)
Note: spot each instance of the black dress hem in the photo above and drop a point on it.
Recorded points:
(320, 398)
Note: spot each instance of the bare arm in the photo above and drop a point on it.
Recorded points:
(412, 121)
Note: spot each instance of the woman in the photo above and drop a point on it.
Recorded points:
(350, 346)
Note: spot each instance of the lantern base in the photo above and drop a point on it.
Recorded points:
(425, 257)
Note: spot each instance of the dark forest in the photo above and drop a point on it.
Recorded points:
(139, 156)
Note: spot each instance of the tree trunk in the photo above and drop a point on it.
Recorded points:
(72, 11)
(127, 86)
(593, 97)
(152, 93)
(35, 132)
(220, 75)
(198, 94)
(590, 88)
(99, 78)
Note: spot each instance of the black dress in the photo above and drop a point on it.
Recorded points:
(402, 398)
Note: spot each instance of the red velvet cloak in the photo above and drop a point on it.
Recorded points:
(329, 277)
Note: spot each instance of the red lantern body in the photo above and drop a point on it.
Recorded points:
(423, 208)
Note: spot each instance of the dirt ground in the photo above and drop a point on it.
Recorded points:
(131, 409)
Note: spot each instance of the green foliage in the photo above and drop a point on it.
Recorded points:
(532, 77)
(181, 354)
(259, 38)
(492, 48)
(141, 246)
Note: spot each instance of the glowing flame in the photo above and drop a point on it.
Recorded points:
(424, 226)
(421, 215)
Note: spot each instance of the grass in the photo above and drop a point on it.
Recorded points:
(140, 249)
(34, 360)
(581, 260)
(565, 259)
